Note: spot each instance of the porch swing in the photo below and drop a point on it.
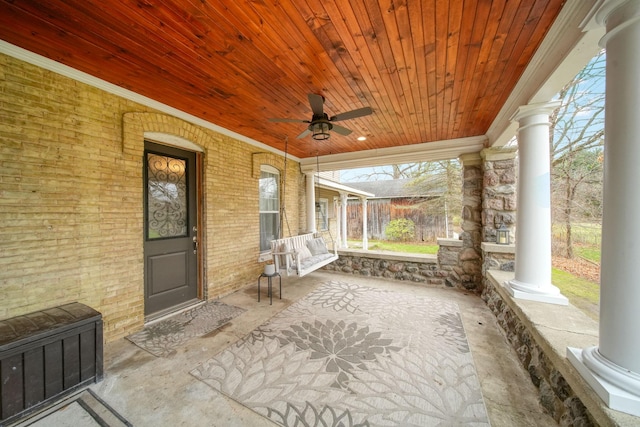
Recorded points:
(305, 253)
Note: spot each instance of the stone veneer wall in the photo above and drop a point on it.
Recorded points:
(499, 191)
(443, 269)
(415, 268)
(498, 257)
(556, 396)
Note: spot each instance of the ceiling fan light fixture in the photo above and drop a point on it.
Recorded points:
(320, 130)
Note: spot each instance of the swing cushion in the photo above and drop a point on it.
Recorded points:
(287, 253)
(309, 263)
(298, 257)
(317, 246)
(303, 253)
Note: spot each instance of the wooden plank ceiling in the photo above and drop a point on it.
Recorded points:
(430, 69)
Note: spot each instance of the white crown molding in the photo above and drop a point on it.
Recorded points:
(64, 70)
(565, 50)
(425, 152)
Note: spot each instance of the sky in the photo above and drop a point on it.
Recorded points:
(358, 175)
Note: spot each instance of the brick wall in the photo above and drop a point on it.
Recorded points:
(71, 198)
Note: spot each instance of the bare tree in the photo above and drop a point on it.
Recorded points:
(404, 171)
(576, 150)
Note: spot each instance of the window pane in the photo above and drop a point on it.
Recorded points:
(166, 197)
(269, 209)
(269, 192)
(268, 230)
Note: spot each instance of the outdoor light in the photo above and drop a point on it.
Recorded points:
(320, 130)
(502, 237)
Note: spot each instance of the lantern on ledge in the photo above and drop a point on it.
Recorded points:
(502, 235)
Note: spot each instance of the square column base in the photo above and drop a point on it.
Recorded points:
(613, 396)
(558, 299)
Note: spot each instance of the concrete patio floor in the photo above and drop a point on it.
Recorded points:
(151, 391)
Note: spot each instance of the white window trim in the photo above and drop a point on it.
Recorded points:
(265, 255)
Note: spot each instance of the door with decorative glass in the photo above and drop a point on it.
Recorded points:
(170, 234)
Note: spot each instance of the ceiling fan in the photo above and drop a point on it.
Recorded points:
(320, 123)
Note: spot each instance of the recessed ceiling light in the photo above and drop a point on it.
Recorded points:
(362, 138)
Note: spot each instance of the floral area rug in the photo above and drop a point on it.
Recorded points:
(161, 339)
(348, 355)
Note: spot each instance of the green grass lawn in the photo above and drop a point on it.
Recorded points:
(384, 245)
(587, 234)
(588, 252)
(582, 293)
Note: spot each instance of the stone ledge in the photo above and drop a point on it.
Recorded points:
(450, 242)
(554, 328)
(390, 256)
(498, 249)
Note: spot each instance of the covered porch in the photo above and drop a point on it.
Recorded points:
(149, 390)
(72, 187)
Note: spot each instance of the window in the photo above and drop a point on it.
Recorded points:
(322, 214)
(269, 206)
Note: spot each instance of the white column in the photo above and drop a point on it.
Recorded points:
(613, 367)
(311, 202)
(365, 238)
(533, 217)
(343, 219)
(336, 214)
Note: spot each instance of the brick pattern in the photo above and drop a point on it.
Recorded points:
(71, 198)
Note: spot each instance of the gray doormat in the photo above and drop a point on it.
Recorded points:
(84, 409)
(162, 338)
(349, 355)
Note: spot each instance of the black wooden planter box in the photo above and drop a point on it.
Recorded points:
(46, 355)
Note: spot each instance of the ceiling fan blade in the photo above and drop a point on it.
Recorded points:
(365, 111)
(316, 102)
(341, 130)
(303, 134)
(288, 121)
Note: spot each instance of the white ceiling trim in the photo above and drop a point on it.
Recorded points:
(425, 152)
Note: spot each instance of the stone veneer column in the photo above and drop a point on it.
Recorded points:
(311, 202)
(498, 191)
(533, 235)
(469, 269)
(613, 367)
